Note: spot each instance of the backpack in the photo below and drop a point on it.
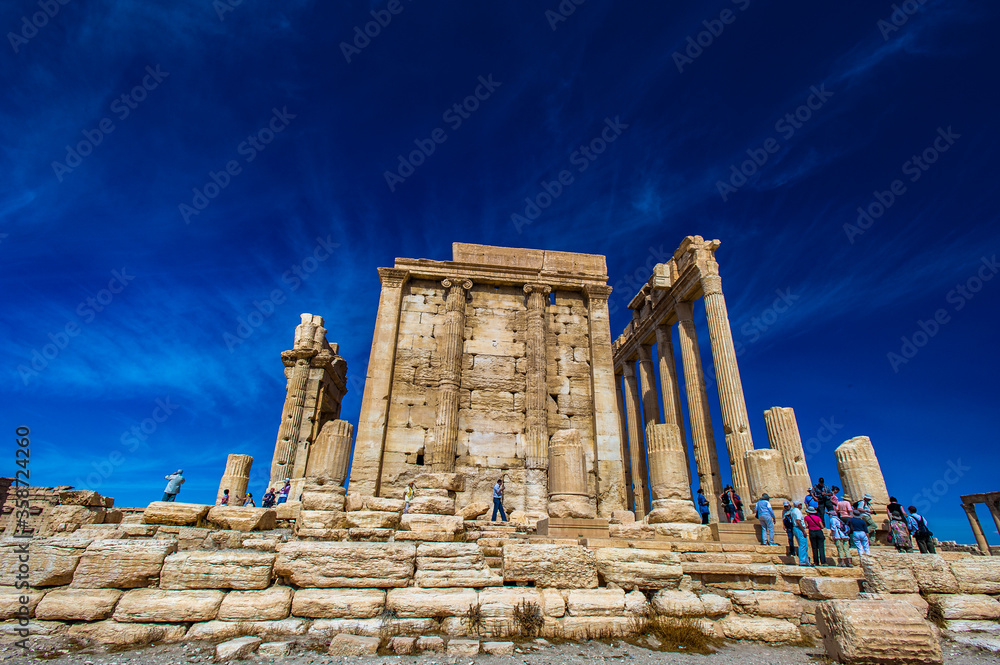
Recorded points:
(787, 522)
(725, 499)
(922, 529)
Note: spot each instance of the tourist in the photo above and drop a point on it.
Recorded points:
(738, 505)
(821, 494)
(703, 506)
(810, 499)
(816, 536)
(789, 525)
(841, 539)
(899, 532)
(844, 509)
(894, 507)
(248, 501)
(408, 495)
(762, 511)
(922, 533)
(268, 500)
(498, 501)
(224, 501)
(858, 528)
(865, 504)
(799, 530)
(174, 482)
(830, 508)
(727, 504)
(284, 491)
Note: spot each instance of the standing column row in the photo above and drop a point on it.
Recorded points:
(636, 447)
(446, 418)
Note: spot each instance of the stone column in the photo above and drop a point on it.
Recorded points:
(766, 474)
(668, 476)
(623, 438)
(647, 382)
(331, 452)
(568, 496)
(705, 455)
(735, 420)
(607, 433)
(535, 406)
(977, 528)
(452, 343)
(783, 435)
(636, 445)
(366, 467)
(235, 479)
(670, 389)
(287, 444)
(995, 513)
(860, 471)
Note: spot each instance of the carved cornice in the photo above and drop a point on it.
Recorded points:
(393, 278)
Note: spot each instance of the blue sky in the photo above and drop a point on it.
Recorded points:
(171, 168)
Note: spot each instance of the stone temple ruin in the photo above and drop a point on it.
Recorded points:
(498, 363)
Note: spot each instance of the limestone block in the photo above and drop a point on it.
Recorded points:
(227, 630)
(673, 510)
(127, 634)
(499, 602)
(77, 604)
(384, 505)
(76, 515)
(932, 572)
(138, 530)
(759, 629)
(433, 505)
(414, 602)
(915, 599)
(325, 628)
(683, 531)
(242, 519)
(228, 569)
(338, 603)
(53, 560)
(354, 501)
(46, 629)
(463, 647)
(589, 628)
(828, 588)
(323, 501)
(622, 517)
(632, 531)
(636, 603)
(596, 602)
(10, 601)
(474, 510)
(122, 564)
(320, 519)
(965, 606)
(237, 649)
(343, 564)
(888, 575)
(775, 604)
(262, 544)
(272, 650)
(451, 524)
(876, 631)
(639, 568)
(975, 574)
(403, 646)
(372, 519)
(174, 513)
(453, 565)
(498, 648)
(454, 482)
(430, 643)
(161, 606)
(559, 566)
(271, 604)
(80, 498)
(576, 507)
(353, 645)
(715, 605)
(679, 603)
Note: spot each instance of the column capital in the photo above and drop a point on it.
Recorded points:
(457, 283)
(597, 291)
(711, 285)
(294, 357)
(544, 289)
(393, 278)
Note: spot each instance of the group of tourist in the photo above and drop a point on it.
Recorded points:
(269, 500)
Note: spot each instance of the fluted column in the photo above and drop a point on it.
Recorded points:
(623, 439)
(705, 455)
(235, 478)
(647, 383)
(366, 467)
(568, 495)
(607, 434)
(735, 420)
(291, 415)
(766, 474)
(331, 452)
(783, 436)
(860, 471)
(670, 389)
(636, 446)
(446, 421)
(536, 410)
(668, 478)
(977, 528)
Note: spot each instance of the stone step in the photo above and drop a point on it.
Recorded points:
(495, 562)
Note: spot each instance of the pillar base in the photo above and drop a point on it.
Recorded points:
(578, 507)
(673, 511)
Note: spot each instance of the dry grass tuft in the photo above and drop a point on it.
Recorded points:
(674, 634)
(474, 617)
(528, 618)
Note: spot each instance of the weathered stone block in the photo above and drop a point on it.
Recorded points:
(81, 498)
(353, 645)
(887, 574)
(876, 631)
(272, 650)
(127, 634)
(338, 603)
(559, 566)
(450, 524)
(498, 648)
(759, 629)
(382, 504)
(357, 565)
(975, 574)
(53, 560)
(311, 520)
(10, 601)
(828, 588)
(414, 602)
(237, 649)
(122, 564)
(174, 513)
(242, 519)
(161, 606)
(966, 606)
(443, 481)
(775, 604)
(226, 630)
(433, 505)
(453, 565)
(227, 569)
(60, 515)
(271, 604)
(639, 568)
(680, 603)
(459, 647)
(372, 519)
(474, 510)
(323, 501)
(595, 602)
(77, 604)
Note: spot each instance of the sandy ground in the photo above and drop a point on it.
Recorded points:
(614, 653)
